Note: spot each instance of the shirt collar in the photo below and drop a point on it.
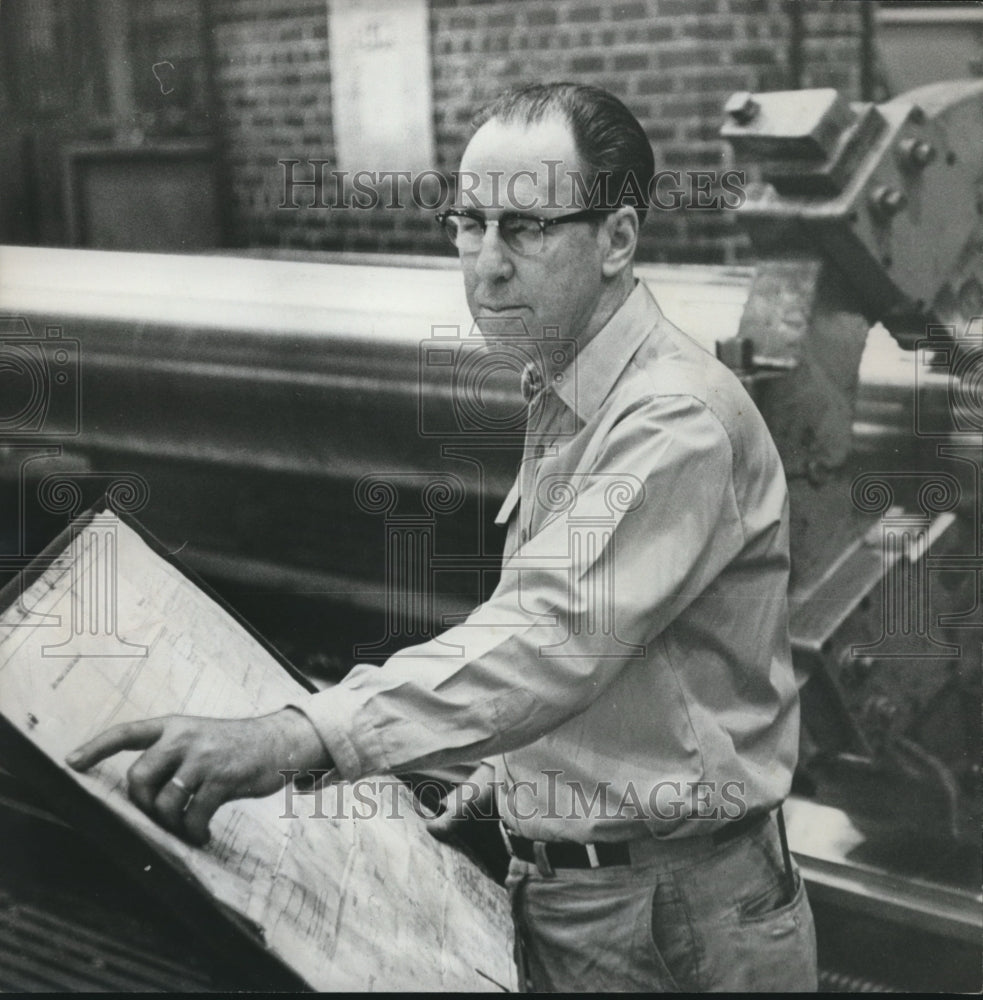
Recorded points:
(598, 366)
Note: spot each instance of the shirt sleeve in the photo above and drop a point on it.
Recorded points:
(623, 549)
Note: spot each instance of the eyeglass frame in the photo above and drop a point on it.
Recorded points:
(465, 213)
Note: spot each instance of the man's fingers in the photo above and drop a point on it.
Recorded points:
(466, 801)
(126, 736)
(149, 773)
(173, 799)
(442, 826)
(200, 811)
(216, 759)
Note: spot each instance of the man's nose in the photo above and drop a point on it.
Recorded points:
(494, 262)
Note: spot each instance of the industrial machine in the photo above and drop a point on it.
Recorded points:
(869, 214)
(324, 441)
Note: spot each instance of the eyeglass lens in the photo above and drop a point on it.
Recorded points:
(523, 235)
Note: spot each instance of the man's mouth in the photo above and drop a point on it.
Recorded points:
(510, 307)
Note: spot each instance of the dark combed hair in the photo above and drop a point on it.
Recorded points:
(612, 144)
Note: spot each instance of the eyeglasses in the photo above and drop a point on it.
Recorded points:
(523, 234)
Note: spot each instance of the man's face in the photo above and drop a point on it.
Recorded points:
(510, 168)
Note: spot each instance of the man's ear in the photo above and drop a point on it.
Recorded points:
(621, 228)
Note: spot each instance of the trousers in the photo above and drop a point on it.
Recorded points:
(713, 918)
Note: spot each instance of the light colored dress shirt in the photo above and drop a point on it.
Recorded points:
(631, 672)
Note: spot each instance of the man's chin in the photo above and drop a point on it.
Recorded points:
(496, 327)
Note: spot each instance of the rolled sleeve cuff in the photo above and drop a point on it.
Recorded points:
(330, 713)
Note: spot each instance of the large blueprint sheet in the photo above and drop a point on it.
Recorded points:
(347, 894)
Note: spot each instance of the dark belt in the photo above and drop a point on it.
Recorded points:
(566, 854)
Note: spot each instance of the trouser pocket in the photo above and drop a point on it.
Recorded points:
(775, 949)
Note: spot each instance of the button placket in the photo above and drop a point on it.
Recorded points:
(532, 465)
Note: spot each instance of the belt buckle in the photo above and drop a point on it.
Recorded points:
(506, 838)
(540, 858)
(542, 861)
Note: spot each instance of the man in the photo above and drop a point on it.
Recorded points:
(627, 691)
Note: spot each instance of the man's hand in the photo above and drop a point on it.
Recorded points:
(471, 798)
(191, 766)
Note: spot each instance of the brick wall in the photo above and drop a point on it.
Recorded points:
(673, 62)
